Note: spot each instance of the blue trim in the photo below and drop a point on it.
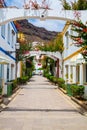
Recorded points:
(4, 4)
(5, 52)
(12, 23)
(8, 42)
(3, 36)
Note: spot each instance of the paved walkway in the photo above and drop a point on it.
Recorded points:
(40, 106)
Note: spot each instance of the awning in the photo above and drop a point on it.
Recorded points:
(3, 60)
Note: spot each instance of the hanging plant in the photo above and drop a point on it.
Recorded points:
(81, 39)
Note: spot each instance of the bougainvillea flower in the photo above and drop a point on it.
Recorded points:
(84, 29)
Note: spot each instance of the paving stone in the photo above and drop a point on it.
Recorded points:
(39, 106)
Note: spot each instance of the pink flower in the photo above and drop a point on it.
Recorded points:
(84, 52)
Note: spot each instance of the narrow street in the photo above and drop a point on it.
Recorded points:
(40, 106)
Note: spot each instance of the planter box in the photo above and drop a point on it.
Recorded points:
(81, 103)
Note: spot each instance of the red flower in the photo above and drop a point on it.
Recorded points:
(77, 24)
(84, 52)
(77, 39)
(26, 52)
(84, 29)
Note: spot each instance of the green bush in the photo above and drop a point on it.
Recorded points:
(77, 91)
(22, 80)
(47, 76)
(55, 80)
(0, 90)
(19, 81)
(68, 89)
(51, 78)
(63, 86)
(60, 81)
(14, 84)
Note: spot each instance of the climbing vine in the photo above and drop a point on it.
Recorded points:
(80, 37)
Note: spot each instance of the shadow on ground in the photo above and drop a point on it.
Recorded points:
(40, 110)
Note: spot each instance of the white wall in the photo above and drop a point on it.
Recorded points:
(10, 59)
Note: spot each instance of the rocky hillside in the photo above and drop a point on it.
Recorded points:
(34, 33)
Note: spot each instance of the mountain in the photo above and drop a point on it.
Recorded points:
(34, 33)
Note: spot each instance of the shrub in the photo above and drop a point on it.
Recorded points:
(55, 80)
(51, 78)
(48, 76)
(22, 80)
(63, 86)
(14, 84)
(19, 81)
(0, 90)
(60, 81)
(77, 91)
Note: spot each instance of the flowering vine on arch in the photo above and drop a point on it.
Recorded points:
(80, 38)
(33, 4)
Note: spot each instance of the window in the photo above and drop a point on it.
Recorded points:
(8, 35)
(3, 31)
(13, 34)
(77, 74)
(66, 75)
(71, 70)
(1, 70)
(7, 72)
(67, 39)
(86, 72)
(12, 71)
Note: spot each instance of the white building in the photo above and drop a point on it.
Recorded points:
(7, 60)
(74, 66)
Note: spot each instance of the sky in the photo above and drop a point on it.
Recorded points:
(51, 25)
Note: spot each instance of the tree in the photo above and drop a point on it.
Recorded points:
(58, 42)
(82, 4)
(65, 5)
(54, 45)
(76, 5)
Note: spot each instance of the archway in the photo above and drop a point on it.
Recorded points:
(12, 14)
(56, 56)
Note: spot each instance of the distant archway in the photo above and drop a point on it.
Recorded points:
(53, 55)
(56, 56)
